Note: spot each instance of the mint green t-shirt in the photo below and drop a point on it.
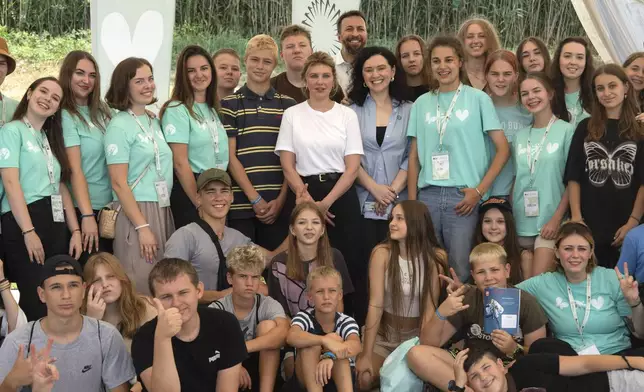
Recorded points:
(512, 118)
(577, 113)
(473, 116)
(7, 109)
(606, 327)
(548, 174)
(126, 142)
(22, 148)
(90, 138)
(180, 127)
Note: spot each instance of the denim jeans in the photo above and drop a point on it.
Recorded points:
(454, 232)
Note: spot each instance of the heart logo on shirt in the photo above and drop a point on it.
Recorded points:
(598, 302)
(429, 119)
(170, 129)
(462, 114)
(5, 153)
(112, 150)
(560, 303)
(552, 147)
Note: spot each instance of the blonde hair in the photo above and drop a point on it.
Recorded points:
(262, 42)
(568, 229)
(487, 250)
(323, 272)
(245, 258)
(321, 58)
(492, 41)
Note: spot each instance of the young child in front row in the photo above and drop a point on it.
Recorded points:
(464, 309)
(261, 319)
(325, 340)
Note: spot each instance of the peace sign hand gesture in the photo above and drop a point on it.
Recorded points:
(453, 283)
(45, 373)
(22, 372)
(629, 286)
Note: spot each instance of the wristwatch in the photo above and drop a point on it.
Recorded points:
(452, 387)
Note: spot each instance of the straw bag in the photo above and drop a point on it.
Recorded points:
(107, 216)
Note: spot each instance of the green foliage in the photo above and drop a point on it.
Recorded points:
(39, 48)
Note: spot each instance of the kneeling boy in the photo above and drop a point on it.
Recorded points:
(262, 319)
(325, 340)
(464, 308)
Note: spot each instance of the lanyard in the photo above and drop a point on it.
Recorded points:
(46, 150)
(573, 308)
(213, 127)
(442, 123)
(532, 163)
(149, 133)
(4, 110)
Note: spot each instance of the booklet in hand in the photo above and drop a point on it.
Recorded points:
(502, 307)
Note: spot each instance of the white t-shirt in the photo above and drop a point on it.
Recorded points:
(319, 140)
(4, 324)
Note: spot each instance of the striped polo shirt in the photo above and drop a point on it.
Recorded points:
(254, 120)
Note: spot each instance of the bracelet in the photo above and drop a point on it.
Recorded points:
(638, 304)
(259, 198)
(627, 363)
(76, 230)
(142, 226)
(4, 280)
(328, 354)
(479, 192)
(440, 316)
(636, 220)
(28, 231)
(83, 216)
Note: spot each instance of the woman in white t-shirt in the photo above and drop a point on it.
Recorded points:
(320, 146)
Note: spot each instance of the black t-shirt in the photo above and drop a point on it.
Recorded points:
(220, 345)
(609, 173)
(283, 86)
(417, 91)
(542, 371)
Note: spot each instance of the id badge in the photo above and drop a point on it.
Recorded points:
(162, 193)
(57, 208)
(440, 166)
(370, 206)
(589, 350)
(531, 203)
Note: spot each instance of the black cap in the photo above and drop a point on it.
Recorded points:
(60, 265)
(495, 202)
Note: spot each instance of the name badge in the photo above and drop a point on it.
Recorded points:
(57, 210)
(531, 203)
(440, 166)
(590, 350)
(162, 193)
(370, 206)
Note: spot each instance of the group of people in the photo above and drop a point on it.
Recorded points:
(294, 232)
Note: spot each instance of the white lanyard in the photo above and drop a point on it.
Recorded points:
(213, 127)
(532, 163)
(442, 123)
(573, 308)
(149, 133)
(46, 150)
(4, 110)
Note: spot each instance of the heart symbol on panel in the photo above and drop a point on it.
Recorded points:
(598, 302)
(119, 43)
(462, 114)
(552, 147)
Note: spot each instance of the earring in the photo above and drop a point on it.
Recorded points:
(392, 78)
(364, 84)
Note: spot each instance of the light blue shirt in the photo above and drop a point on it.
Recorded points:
(576, 111)
(633, 253)
(382, 163)
(512, 118)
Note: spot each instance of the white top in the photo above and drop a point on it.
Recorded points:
(410, 301)
(319, 140)
(343, 70)
(4, 325)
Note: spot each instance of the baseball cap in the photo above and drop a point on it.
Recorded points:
(213, 175)
(60, 265)
(4, 50)
(495, 202)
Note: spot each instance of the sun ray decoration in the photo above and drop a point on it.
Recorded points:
(321, 19)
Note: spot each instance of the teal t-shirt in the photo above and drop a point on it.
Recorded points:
(473, 116)
(548, 174)
(577, 113)
(90, 138)
(180, 127)
(7, 109)
(126, 142)
(512, 118)
(22, 148)
(606, 327)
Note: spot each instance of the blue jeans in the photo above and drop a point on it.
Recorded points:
(454, 232)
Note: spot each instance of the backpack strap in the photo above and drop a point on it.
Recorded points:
(31, 335)
(257, 303)
(222, 281)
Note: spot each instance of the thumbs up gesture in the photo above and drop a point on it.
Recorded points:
(169, 321)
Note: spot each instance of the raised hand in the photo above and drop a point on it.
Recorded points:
(95, 303)
(453, 283)
(629, 286)
(45, 373)
(460, 376)
(169, 321)
(504, 341)
(453, 303)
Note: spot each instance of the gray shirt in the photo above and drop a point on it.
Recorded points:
(84, 364)
(269, 309)
(193, 244)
